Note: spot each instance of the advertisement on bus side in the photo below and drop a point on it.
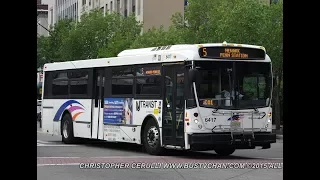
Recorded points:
(117, 111)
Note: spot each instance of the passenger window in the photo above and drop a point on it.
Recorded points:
(122, 72)
(122, 86)
(78, 82)
(148, 85)
(59, 88)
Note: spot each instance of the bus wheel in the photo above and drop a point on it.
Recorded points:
(225, 151)
(151, 138)
(67, 129)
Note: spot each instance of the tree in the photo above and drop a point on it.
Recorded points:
(273, 41)
(57, 35)
(154, 37)
(43, 53)
(95, 36)
(49, 48)
(100, 36)
(124, 32)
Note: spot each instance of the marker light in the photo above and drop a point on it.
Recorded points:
(269, 114)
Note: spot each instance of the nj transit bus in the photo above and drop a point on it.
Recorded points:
(187, 97)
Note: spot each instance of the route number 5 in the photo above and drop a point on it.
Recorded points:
(204, 51)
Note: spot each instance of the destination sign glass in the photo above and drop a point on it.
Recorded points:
(232, 53)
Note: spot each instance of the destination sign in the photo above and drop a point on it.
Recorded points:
(232, 53)
(153, 72)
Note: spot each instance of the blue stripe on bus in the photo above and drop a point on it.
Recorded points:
(62, 108)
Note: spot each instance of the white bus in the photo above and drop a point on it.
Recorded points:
(188, 97)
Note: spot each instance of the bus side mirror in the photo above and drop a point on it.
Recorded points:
(194, 76)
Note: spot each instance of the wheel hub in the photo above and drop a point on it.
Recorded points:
(153, 136)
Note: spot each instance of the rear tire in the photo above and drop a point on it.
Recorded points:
(151, 138)
(67, 129)
(225, 151)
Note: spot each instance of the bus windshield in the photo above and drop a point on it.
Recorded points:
(233, 85)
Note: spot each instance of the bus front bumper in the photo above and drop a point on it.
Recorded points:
(238, 141)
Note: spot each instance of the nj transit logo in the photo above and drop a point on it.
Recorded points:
(236, 117)
(74, 107)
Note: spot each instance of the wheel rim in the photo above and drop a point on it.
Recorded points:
(153, 136)
(65, 129)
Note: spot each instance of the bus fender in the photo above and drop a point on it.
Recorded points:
(63, 114)
(149, 117)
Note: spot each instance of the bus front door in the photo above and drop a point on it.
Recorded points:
(173, 106)
(97, 104)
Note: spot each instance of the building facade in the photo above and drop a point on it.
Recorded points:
(153, 13)
(42, 19)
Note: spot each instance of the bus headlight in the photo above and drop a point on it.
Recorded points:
(196, 121)
(269, 120)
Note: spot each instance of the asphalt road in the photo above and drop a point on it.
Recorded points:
(56, 160)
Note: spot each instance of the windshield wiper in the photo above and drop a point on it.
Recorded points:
(255, 109)
(216, 109)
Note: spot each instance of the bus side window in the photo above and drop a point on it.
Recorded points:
(60, 84)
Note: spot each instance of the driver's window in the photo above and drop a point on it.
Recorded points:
(253, 87)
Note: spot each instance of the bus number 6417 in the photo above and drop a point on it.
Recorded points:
(209, 119)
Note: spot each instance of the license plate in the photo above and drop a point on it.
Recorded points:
(235, 124)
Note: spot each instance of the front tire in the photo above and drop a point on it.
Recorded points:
(225, 151)
(151, 138)
(67, 129)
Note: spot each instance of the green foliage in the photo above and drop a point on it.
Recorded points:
(157, 37)
(95, 36)
(43, 52)
(123, 33)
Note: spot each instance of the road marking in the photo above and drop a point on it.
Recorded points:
(132, 157)
(41, 132)
(39, 141)
(105, 157)
(56, 145)
(267, 158)
(56, 157)
(52, 144)
(68, 164)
